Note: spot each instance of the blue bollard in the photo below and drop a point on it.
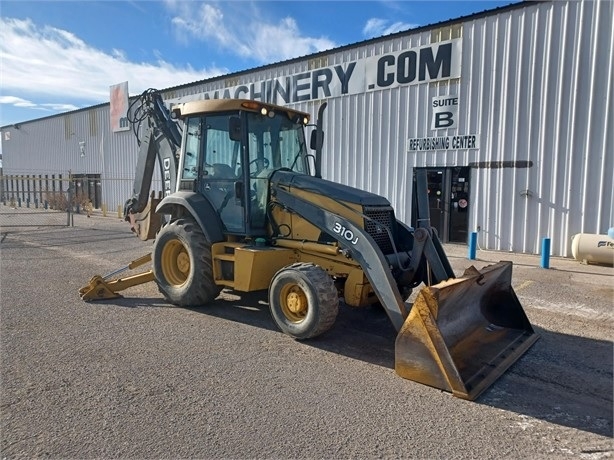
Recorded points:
(545, 263)
(473, 242)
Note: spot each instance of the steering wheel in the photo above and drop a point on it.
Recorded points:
(265, 164)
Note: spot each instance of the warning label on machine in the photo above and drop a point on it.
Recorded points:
(423, 144)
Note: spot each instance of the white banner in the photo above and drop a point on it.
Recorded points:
(119, 107)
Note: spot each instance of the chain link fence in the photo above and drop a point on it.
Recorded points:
(48, 199)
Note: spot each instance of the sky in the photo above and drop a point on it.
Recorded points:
(58, 56)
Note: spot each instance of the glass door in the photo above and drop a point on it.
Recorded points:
(437, 193)
(448, 193)
(459, 205)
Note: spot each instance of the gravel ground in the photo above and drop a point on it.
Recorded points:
(136, 378)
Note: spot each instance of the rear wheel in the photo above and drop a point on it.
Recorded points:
(303, 300)
(182, 264)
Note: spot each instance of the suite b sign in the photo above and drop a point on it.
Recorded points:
(445, 112)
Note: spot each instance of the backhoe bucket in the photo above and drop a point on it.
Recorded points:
(146, 224)
(462, 334)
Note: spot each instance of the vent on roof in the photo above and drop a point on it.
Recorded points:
(231, 82)
(446, 33)
(316, 63)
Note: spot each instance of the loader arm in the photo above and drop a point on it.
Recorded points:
(427, 249)
(362, 248)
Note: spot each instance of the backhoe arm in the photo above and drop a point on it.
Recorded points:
(160, 142)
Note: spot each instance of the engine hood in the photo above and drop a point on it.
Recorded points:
(324, 187)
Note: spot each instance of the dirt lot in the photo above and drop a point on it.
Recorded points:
(137, 378)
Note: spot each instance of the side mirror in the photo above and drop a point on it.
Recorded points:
(315, 139)
(234, 128)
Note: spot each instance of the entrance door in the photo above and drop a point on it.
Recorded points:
(448, 190)
(459, 205)
(437, 206)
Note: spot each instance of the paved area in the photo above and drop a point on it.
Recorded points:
(136, 378)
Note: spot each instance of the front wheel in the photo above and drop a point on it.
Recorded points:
(182, 264)
(303, 300)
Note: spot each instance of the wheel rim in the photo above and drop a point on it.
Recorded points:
(175, 263)
(294, 303)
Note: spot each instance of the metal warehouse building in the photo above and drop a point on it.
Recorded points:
(509, 110)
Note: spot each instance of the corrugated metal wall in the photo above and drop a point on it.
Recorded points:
(78, 143)
(535, 86)
(546, 96)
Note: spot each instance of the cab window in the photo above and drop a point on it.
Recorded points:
(189, 169)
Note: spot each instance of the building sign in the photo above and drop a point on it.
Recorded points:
(438, 61)
(119, 107)
(425, 144)
(445, 112)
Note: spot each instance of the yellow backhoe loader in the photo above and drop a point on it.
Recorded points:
(244, 206)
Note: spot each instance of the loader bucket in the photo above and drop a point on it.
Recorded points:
(463, 333)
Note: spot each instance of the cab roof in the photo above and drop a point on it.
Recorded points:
(184, 109)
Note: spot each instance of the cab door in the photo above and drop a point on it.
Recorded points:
(220, 172)
(214, 158)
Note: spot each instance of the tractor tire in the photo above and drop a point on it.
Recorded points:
(303, 300)
(182, 264)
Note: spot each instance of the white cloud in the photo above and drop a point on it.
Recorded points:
(45, 62)
(59, 107)
(240, 29)
(26, 104)
(376, 27)
(16, 101)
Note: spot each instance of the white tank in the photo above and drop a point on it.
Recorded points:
(593, 248)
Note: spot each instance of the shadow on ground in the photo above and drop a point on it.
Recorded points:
(562, 379)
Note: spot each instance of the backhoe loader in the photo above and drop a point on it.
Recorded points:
(244, 207)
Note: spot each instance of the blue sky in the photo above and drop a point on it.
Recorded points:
(57, 56)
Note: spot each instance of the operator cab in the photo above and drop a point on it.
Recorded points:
(230, 151)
